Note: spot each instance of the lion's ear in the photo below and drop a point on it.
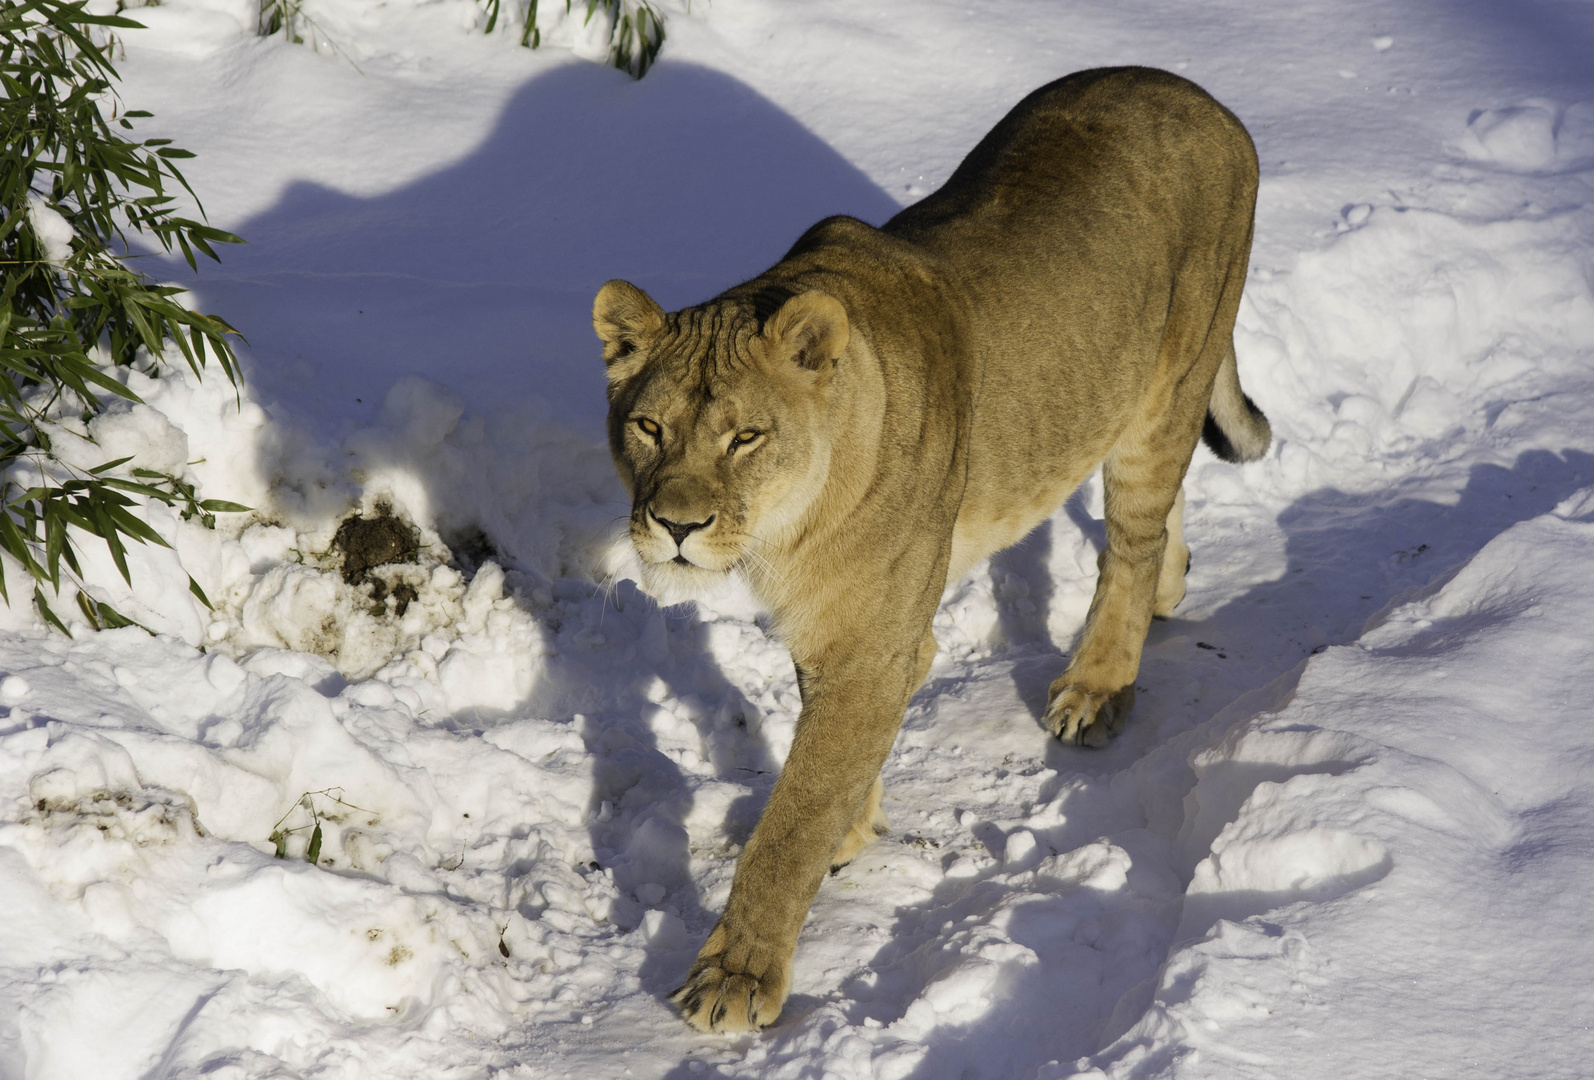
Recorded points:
(810, 330)
(626, 319)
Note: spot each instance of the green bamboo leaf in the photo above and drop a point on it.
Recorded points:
(54, 544)
(69, 557)
(44, 610)
(193, 587)
(74, 517)
(96, 510)
(87, 609)
(147, 490)
(12, 540)
(81, 371)
(222, 506)
(313, 852)
(132, 526)
(109, 465)
(111, 619)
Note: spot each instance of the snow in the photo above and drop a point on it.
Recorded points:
(52, 231)
(1344, 833)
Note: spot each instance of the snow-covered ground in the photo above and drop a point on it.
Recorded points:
(1349, 831)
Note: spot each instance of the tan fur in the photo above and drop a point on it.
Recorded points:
(870, 825)
(865, 421)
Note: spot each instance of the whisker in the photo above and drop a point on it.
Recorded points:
(607, 587)
(763, 563)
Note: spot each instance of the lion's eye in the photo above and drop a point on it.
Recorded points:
(649, 428)
(744, 438)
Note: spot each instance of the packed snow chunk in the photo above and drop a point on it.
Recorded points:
(1229, 772)
(1249, 875)
(1020, 848)
(53, 232)
(664, 931)
(1579, 506)
(13, 689)
(195, 28)
(372, 950)
(78, 765)
(75, 846)
(134, 430)
(1518, 137)
(654, 851)
(309, 610)
(710, 817)
(965, 992)
(493, 665)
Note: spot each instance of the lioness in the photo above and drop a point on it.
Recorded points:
(858, 426)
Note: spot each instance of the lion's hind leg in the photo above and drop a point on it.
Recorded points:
(1142, 564)
(1090, 701)
(1175, 563)
(870, 825)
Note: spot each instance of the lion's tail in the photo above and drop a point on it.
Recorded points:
(1235, 429)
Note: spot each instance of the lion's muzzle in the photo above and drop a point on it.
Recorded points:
(678, 531)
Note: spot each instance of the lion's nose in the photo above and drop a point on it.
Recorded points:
(680, 530)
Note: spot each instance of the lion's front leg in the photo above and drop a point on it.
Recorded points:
(743, 973)
(829, 787)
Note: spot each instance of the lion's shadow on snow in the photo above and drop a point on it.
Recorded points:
(480, 278)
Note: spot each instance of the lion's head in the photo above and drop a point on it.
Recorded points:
(719, 426)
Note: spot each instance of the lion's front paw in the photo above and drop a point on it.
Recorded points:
(1083, 718)
(738, 983)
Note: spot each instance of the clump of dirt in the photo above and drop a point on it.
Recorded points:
(402, 594)
(382, 539)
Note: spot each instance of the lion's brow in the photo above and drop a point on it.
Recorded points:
(711, 341)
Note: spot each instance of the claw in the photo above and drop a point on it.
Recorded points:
(718, 998)
(1080, 718)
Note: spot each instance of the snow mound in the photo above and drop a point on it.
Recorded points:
(1325, 877)
(1535, 135)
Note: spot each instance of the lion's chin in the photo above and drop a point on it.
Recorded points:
(676, 583)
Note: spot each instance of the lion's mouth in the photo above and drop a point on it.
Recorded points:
(682, 560)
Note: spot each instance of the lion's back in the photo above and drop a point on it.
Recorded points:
(1109, 141)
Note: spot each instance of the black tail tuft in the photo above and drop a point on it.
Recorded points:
(1218, 442)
